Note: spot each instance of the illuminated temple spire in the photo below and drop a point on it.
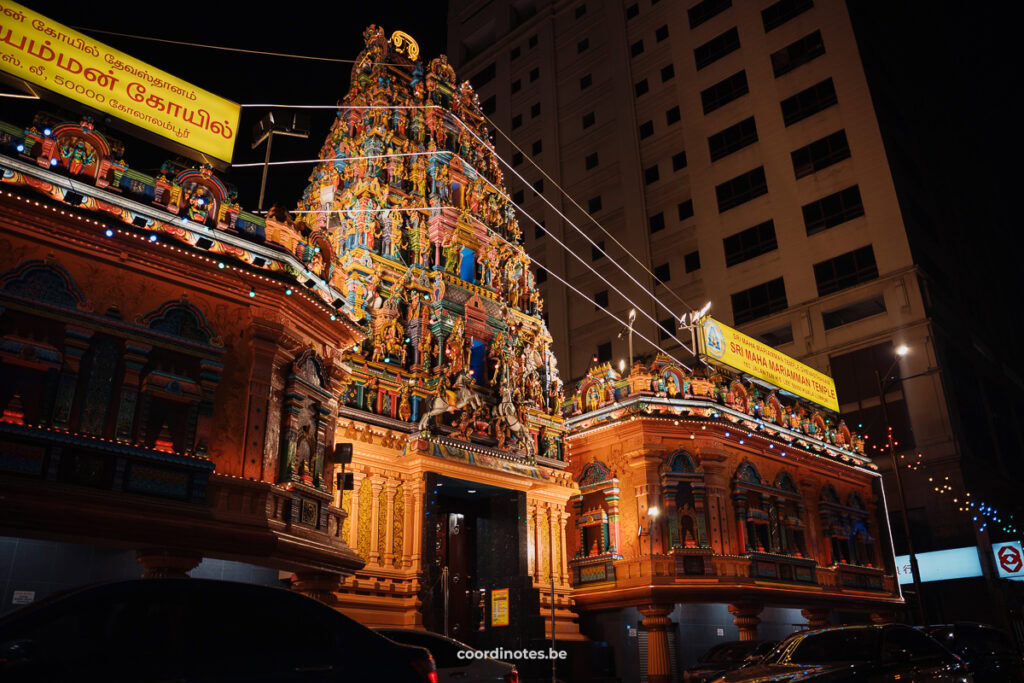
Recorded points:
(410, 219)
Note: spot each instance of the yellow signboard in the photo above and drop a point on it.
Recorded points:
(725, 345)
(62, 60)
(499, 607)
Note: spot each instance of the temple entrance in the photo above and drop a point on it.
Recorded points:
(472, 543)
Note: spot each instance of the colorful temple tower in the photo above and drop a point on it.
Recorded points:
(453, 402)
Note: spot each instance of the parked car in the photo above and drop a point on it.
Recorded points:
(727, 657)
(197, 630)
(450, 665)
(989, 654)
(856, 653)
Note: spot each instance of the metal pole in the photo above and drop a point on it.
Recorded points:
(919, 598)
(630, 368)
(551, 578)
(266, 166)
(444, 581)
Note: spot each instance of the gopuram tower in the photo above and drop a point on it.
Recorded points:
(452, 403)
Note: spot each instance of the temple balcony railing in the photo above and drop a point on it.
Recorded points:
(593, 569)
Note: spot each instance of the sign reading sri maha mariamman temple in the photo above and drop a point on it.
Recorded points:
(62, 60)
(722, 344)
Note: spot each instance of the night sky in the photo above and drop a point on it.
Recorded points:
(951, 72)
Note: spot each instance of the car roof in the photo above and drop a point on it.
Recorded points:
(385, 630)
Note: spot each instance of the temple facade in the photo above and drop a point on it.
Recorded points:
(453, 401)
(697, 490)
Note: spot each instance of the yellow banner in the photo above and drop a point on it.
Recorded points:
(62, 60)
(721, 343)
(499, 607)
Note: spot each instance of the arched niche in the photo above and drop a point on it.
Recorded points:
(597, 512)
(684, 497)
(769, 516)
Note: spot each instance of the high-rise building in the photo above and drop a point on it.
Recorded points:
(734, 151)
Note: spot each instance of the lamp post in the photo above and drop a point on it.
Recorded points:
(883, 386)
(652, 515)
(632, 318)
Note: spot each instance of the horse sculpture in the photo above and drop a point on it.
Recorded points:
(464, 396)
(506, 410)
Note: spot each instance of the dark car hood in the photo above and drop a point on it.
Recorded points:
(789, 672)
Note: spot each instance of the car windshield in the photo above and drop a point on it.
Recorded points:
(728, 652)
(841, 645)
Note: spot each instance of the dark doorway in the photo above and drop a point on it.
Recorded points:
(478, 533)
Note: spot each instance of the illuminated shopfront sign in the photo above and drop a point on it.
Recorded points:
(721, 343)
(941, 565)
(61, 60)
(1009, 559)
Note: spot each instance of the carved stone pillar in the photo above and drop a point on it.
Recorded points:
(389, 541)
(699, 495)
(376, 485)
(671, 514)
(812, 526)
(553, 551)
(209, 377)
(611, 498)
(817, 617)
(531, 539)
(263, 420)
(164, 563)
(717, 514)
(745, 618)
(353, 513)
(740, 503)
(135, 355)
(657, 623)
(563, 518)
(76, 343)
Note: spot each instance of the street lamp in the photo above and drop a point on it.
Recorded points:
(632, 319)
(901, 351)
(652, 515)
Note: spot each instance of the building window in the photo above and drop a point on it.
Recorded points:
(636, 48)
(516, 86)
(517, 121)
(542, 275)
(534, 74)
(716, 48)
(724, 92)
(656, 222)
(514, 53)
(538, 231)
(604, 352)
(703, 11)
(650, 174)
(597, 251)
(661, 34)
(485, 75)
(663, 273)
(797, 54)
(580, 11)
(778, 336)
(585, 82)
(517, 158)
(632, 11)
(685, 209)
(851, 313)
(591, 161)
(692, 261)
(747, 244)
(489, 106)
(759, 301)
(666, 329)
(538, 146)
(588, 120)
(539, 186)
(846, 270)
(833, 210)
(601, 299)
(517, 197)
(774, 16)
(640, 88)
(535, 110)
(741, 189)
(594, 204)
(668, 73)
(582, 45)
(679, 161)
(672, 115)
(532, 42)
(821, 154)
(733, 138)
(646, 129)
(808, 102)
